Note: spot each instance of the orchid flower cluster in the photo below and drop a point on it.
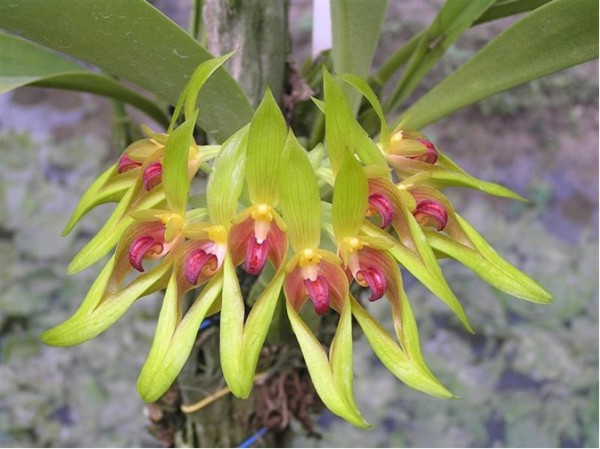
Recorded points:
(350, 211)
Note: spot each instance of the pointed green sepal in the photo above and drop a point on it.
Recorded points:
(300, 201)
(189, 96)
(394, 359)
(175, 178)
(489, 265)
(266, 139)
(227, 179)
(349, 199)
(174, 338)
(256, 329)
(98, 313)
(343, 135)
(321, 371)
(363, 87)
(232, 330)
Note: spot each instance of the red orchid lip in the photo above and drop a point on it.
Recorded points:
(256, 256)
(431, 213)
(142, 247)
(199, 261)
(376, 281)
(152, 175)
(430, 156)
(126, 163)
(384, 208)
(318, 291)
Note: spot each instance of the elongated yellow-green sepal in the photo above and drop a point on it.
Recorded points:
(175, 179)
(174, 338)
(489, 265)
(394, 359)
(349, 199)
(363, 87)
(99, 313)
(301, 204)
(343, 135)
(232, 329)
(266, 140)
(321, 372)
(189, 96)
(227, 179)
(255, 331)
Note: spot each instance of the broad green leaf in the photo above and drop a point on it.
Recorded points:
(232, 330)
(343, 135)
(256, 329)
(227, 179)
(393, 358)
(506, 8)
(266, 140)
(363, 87)
(355, 27)
(172, 345)
(452, 20)
(23, 63)
(316, 156)
(300, 201)
(349, 199)
(489, 265)
(560, 34)
(135, 41)
(321, 372)
(85, 326)
(175, 179)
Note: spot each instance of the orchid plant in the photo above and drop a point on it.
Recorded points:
(349, 213)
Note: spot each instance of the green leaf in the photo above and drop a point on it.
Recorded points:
(393, 358)
(98, 313)
(355, 26)
(555, 36)
(232, 330)
(135, 41)
(23, 63)
(343, 135)
(175, 178)
(227, 179)
(506, 8)
(489, 265)
(173, 340)
(266, 139)
(349, 200)
(300, 201)
(452, 20)
(321, 372)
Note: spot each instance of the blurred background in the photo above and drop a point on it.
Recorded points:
(527, 378)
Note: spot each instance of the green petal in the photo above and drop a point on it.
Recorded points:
(343, 135)
(489, 265)
(189, 96)
(301, 204)
(175, 179)
(321, 372)
(227, 179)
(266, 140)
(393, 358)
(255, 331)
(349, 199)
(363, 87)
(174, 338)
(99, 313)
(232, 330)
